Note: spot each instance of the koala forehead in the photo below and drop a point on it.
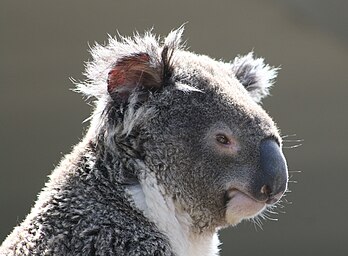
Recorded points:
(214, 94)
(203, 72)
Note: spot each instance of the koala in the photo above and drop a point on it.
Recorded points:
(178, 147)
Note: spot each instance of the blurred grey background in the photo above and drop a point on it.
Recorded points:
(43, 43)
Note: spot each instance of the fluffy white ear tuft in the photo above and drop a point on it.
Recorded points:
(256, 76)
(126, 63)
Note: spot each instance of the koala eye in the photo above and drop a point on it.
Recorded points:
(222, 139)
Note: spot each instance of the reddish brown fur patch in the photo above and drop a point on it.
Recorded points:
(131, 72)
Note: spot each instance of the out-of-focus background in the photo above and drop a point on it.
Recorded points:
(44, 42)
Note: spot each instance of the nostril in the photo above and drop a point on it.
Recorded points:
(271, 198)
(274, 199)
(266, 190)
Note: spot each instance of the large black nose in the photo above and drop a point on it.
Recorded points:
(271, 179)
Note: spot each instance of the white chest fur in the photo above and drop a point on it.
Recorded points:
(160, 210)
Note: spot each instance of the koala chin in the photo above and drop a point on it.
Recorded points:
(178, 147)
(241, 206)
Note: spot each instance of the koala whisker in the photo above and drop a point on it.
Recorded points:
(266, 215)
(294, 146)
(293, 181)
(299, 140)
(291, 141)
(257, 222)
(294, 171)
(288, 135)
(271, 210)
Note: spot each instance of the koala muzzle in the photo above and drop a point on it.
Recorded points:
(271, 180)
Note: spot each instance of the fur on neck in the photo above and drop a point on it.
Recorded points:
(149, 197)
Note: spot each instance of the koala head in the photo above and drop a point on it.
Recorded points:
(195, 123)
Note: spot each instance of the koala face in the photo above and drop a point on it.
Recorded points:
(216, 151)
(194, 122)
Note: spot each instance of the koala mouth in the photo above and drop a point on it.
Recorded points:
(241, 206)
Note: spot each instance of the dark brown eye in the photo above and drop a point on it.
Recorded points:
(222, 139)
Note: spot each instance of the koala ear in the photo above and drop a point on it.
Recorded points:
(131, 72)
(256, 76)
(142, 63)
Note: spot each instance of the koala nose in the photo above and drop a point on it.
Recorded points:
(272, 178)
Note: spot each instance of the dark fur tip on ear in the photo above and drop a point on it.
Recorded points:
(167, 67)
(256, 76)
(132, 72)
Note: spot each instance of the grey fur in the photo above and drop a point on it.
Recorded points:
(165, 130)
